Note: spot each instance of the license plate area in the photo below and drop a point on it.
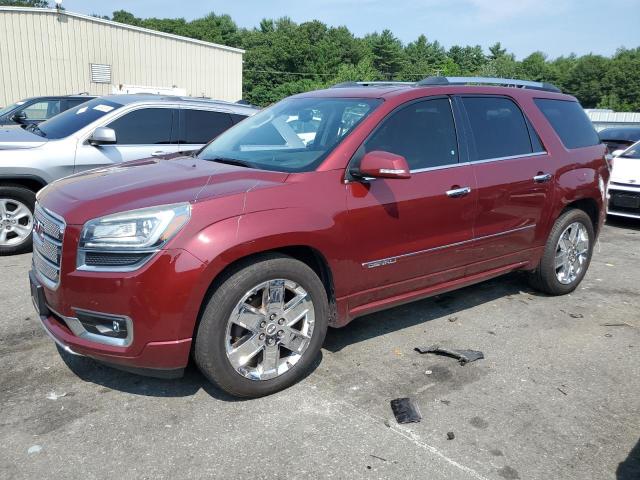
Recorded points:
(626, 201)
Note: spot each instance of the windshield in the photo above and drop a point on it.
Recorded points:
(631, 134)
(11, 107)
(74, 119)
(294, 135)
(632, 152)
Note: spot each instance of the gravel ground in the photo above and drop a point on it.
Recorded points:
(557, 396)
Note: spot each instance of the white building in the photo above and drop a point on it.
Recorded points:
(602, 118)
(49, 52)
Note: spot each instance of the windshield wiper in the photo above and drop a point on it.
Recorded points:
(231, 161)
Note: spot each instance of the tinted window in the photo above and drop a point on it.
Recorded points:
(42, 110)
(74, 102)
(201, 126)
(498, 127)
(423, 133)
(630, 134)
(570, 122)
(148, 126)
(536, 143)
(236, 117)
(72, 120)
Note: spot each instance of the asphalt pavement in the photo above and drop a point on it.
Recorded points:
(557, 395)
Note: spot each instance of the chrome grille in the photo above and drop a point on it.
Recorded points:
(48, 234)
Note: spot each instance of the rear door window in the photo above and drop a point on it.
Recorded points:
(202, 126)
(147, 126)
(570, 122)
(423, 133)
(498, 128)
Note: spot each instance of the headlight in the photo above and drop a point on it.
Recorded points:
(126, 240)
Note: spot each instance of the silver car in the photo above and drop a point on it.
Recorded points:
(101, 132)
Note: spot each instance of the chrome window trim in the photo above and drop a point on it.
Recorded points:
(461, 164)
(394, 259)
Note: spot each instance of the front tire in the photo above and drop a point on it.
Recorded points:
(567, 254)
(262, 327)
(16, 219)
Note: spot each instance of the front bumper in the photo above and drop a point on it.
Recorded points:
(623, 200)
(161, 301)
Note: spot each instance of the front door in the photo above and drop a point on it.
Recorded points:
(412, 233)
(514, 177)
(140, 133)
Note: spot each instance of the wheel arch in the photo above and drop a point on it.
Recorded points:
(306, 254)
(587, 205)
(30, 182)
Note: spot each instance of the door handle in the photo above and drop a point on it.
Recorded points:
(542, 177)
(159, 153)
(458, 192)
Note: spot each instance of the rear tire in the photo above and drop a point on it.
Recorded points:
(242, 339)
(16, 219)
(564, 263)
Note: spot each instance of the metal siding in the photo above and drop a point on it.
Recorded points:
(44, 53)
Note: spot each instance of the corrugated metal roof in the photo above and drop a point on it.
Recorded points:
(119, 25)
(613, 117)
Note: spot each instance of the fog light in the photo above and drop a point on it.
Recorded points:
(103, 324)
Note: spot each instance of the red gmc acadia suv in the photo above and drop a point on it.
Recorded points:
(321, 208)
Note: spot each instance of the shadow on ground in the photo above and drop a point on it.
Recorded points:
(624, 223)
(111, 378)
(433, 308)
(446, 305)
(630, 468)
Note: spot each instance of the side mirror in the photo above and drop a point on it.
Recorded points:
(19, 117)
(380, 164)
(617, 153)
(103, 136)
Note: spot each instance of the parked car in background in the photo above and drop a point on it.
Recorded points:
(624, 186)
(39, 109)
(102, 132)
(246, 252)
(618, 139)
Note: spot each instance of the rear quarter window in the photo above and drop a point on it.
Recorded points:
(570, 122)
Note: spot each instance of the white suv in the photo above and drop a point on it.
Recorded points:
(101, 132)
(624, 185)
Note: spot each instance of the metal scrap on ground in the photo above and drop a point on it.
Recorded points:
(463, 356)
(405, 410)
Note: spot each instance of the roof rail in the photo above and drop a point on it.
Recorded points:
(371, 84)
(507, 82)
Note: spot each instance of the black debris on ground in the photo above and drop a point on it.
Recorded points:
(451, 435)
(463, 356)
(405, 410)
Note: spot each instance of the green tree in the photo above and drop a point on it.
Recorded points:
(386, 53)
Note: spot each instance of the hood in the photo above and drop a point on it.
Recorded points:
(16, 137)
(147, 183)
(626, 170)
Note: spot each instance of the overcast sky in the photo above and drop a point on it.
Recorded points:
(557, 27)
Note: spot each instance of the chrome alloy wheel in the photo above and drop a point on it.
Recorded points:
(571, 252)
(269, 329)
(16, 222)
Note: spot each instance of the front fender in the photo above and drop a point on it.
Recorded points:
(229, 240)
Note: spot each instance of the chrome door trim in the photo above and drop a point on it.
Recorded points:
(391, 260)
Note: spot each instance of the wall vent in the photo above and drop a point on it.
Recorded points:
(100, 73)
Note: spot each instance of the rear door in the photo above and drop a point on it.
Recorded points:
(140, 133)
(198, 127)
(412, 233)
(514, 176)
